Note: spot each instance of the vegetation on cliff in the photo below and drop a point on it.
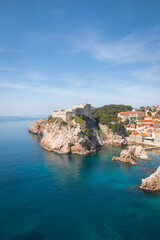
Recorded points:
(108, 115)
(78, 135)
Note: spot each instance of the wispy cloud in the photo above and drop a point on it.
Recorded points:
(42, 89)
(151, 74)
(141, 46)
(135, 95)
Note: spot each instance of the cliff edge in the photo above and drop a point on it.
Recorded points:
(77, 135)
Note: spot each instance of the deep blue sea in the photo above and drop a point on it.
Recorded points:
(47, 196)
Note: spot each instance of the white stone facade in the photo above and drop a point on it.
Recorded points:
(65, 114)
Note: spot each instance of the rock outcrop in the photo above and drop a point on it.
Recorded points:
(111, 139)
(152, 183)
(78, 136)
(37, 127)
(139, 152)
(131, 154)
(126, 157)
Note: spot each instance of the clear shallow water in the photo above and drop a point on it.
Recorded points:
(46, 196)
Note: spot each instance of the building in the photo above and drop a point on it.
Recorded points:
(134, 114)
(156, 136)
(65, 114)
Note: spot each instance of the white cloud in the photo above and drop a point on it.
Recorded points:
(141, 46)
(134, 95)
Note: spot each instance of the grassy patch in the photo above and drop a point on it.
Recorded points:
(52, 120)
(79, 120)
(59, 120)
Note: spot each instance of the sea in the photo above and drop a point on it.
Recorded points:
(48, 196)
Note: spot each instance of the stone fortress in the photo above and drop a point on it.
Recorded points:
(81, 109)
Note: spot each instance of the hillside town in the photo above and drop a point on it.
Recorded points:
(143, 124)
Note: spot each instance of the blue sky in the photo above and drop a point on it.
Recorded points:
(54, 54)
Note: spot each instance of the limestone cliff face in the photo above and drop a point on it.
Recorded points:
(37, 127)
(152, 183)
(111, 139)
(75, 136)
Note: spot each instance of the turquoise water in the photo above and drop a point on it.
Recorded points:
(46, 196)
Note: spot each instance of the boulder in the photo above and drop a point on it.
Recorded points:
(139, 152)
(126, 157)
(152, 183)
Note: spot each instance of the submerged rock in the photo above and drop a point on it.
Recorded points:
(126, 157)
(111, 139)
(78, 135)
(139, 152)
(152, 183)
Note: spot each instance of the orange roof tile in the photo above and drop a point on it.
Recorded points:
(143, 134)
(149, 130)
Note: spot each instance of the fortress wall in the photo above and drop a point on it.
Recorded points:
(82, 109)
(61, 114)
(70, 114)
(64, 114)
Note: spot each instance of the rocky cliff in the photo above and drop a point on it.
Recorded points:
(111, 139)
(152, 183)
(80, 136)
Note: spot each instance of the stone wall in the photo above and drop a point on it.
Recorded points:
(65, 114)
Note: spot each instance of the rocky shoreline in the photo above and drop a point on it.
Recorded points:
(83, 136)
(76, 136)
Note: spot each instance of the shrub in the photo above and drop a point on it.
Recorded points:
(88, 132)
(128, 133)
(52, 120)
(63, 123)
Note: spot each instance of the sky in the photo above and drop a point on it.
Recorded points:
(54, 54)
